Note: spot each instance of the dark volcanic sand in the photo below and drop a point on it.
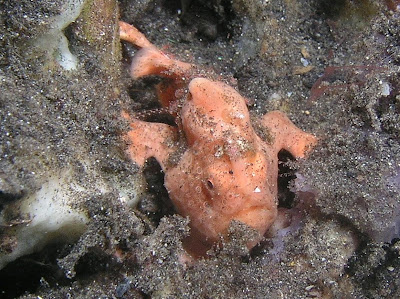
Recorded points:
(345, 203)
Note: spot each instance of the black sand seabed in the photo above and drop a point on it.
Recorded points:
(343, 241)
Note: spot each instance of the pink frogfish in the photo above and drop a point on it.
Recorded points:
(229, 169)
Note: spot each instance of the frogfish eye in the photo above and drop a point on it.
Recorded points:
(210, 185)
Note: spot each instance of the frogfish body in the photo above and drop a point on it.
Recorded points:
(229, 170)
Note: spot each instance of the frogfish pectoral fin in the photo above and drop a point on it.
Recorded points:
(287, 136)
(145, 140)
